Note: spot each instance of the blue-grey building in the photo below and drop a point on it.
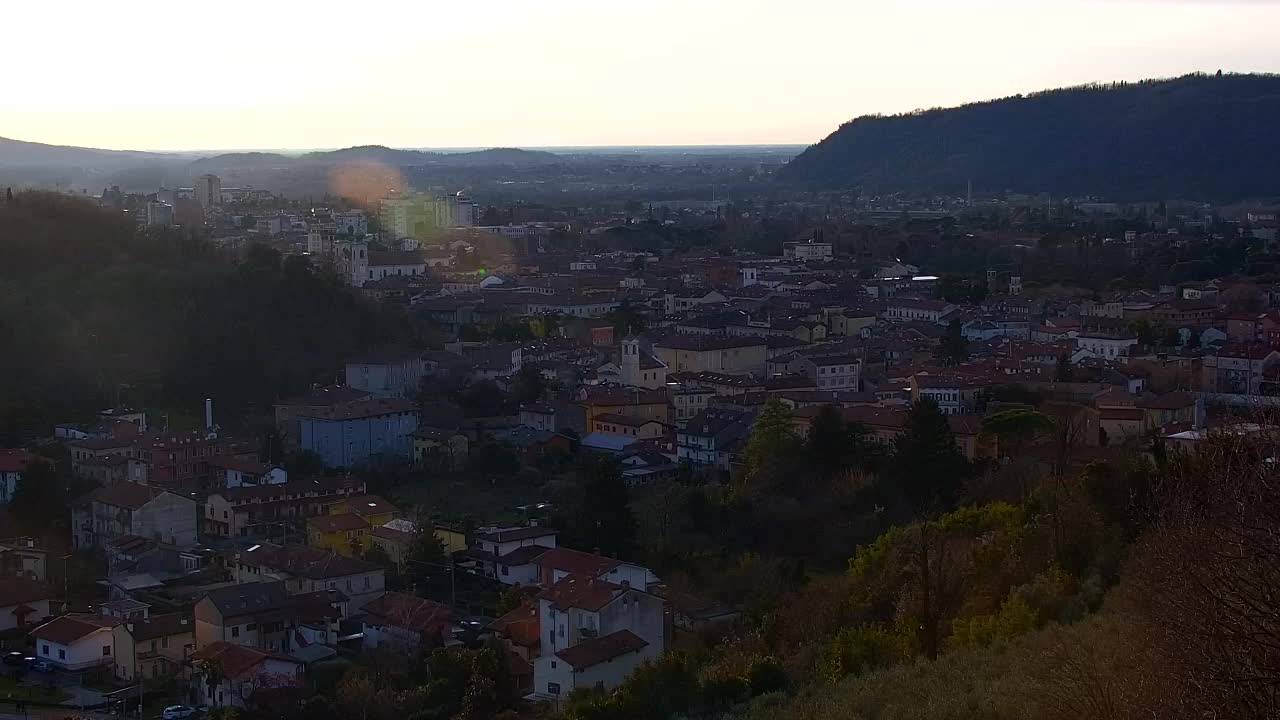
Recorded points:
(362, 432)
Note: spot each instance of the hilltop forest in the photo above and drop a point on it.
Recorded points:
(93, 309)
(1196, 137)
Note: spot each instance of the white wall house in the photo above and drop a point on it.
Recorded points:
(76, 641)
(594, 634)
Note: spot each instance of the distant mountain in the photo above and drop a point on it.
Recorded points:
(20, 153)
(1196, 136)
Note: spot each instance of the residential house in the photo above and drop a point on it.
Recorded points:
(511, 555)
(636, 428)
(632, 402)
(439, 448)
(675, 303)
(594, 633)
(93, 449)
(310, 570)
(405, 623)
(13, 463)
(712, 437)
(24, 557)
(519, 632)
(236, 472)
(131, 509)
(346, 523)
(265, 615)
(831, 372)
(265, 511)
(646, 467)
(180, 461)
(23, 602)
(153, 647)
(361, 433)
(244, 672)
(1237, 369)
(77, 641)
(559, 563)
(1103, 346)
(387, 373)
(953, 393)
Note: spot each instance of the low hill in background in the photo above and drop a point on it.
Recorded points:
(1198, 136)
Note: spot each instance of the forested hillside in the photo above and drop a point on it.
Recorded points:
(92, 309)
(1195, 136)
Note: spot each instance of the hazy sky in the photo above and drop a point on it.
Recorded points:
(417, 73)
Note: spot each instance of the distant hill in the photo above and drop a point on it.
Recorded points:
(20, 153)
(1196, 136)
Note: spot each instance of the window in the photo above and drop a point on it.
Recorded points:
(164, 642)
(44, 650)
(250, 627)
(506, 570)
(106, 650)
(551, 636)
(153, 646)
(62, 654)
(235, 631)
(368, 582)
(553, 664)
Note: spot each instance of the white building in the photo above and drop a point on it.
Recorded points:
(76, 641)
(159, 214)
(809, 251)
(594, 634)
(1106, 347)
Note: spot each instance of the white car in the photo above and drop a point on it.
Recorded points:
(177, 712)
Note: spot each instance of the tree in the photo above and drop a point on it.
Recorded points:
(954, 348)
(511, 599)
(834, 445)
(1013, 430)
(603, 518)
(427, 566)
(978, 292)
(769, 449)
(928, 468)
(214, 674)
(303, 464)
(528, 386)
(41, 496)
(1062, 370)
(627, 319)
(1144, 332)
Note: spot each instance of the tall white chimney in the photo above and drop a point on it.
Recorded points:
(208, 414)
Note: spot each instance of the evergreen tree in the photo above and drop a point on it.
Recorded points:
(928, 468)
(1062, 372)
(770, 446)
(954, 348)
(603, 518)
(427, 565)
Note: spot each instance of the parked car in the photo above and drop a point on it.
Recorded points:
(41, 666)
(177, 712)
(14, 658)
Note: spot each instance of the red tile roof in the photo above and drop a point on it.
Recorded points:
(597, 650)
(521, 626)
(408, 611)
(70, 628)
(17, 591)
(575, 562)
(236, 660)
(580, 591)
(15, 461)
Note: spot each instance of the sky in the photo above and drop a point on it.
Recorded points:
(239, 74)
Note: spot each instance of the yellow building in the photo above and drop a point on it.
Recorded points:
(344, 534)
(346, 524)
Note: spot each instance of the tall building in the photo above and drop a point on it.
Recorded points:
(422, 216)
(159, 213)
(208, 191)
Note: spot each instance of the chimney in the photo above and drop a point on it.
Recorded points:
(208, 413)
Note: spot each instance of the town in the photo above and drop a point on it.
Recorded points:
(615, 435)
